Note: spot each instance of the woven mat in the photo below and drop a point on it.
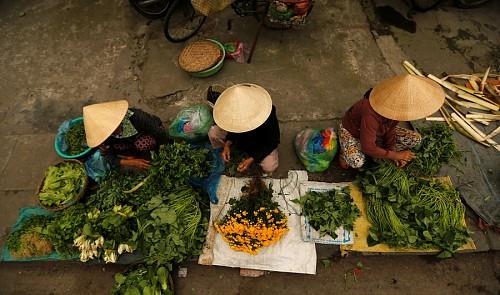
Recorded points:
(199, 56)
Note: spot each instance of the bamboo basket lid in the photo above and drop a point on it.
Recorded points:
(199, 56)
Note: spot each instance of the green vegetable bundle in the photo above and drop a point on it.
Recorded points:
(146, 280)
(75, 139)
(411, 212)
(29, 240)
(437, 148)
(62, 184)
(327, 211)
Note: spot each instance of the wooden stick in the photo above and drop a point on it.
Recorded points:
(474, 99)
(412, 68)
(483, 81)
(483, 116)
(474, 85)
(493, 133)
(466, 126)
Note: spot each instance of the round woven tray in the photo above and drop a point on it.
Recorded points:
(75, 199)
(199, 56)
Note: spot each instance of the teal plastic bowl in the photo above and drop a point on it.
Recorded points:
(216, 68)
(60, 137)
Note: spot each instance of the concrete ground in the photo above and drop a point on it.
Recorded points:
(57, 56)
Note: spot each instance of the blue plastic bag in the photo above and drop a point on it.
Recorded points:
(210, 183)
(96, 166)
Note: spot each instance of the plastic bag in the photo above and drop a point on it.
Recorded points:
(210, 183)
(237, 51)
(192, 124)
(96, 166)
(316, 148)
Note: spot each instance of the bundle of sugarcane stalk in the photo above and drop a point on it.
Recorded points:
(470, 99)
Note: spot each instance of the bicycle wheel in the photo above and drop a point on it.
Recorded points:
(469, 3)
(424, 5)
(182, 21)
(152, 9)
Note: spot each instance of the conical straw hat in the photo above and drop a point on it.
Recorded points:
(102, 119)
(406, 97)
(242, 107)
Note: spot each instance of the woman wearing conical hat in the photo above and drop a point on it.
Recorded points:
(369, 127)
(246, 119)
(124, 135)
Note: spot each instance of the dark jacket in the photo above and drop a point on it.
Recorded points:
(259, 142)
(145, 124)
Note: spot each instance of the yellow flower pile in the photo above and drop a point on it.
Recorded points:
(254, 221)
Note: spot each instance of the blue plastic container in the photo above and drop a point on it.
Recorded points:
(60, 136)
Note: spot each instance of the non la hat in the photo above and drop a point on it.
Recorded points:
(242, 107)
(406, 97)
(102, 119)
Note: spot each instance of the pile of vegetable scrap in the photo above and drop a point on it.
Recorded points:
(143, 280)
(75, 139)
(470, 100)
(410, 212)
(63, 182)
(29, 241)
(327, 211)
(254, 220)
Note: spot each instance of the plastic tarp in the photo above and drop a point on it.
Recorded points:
(290, 254)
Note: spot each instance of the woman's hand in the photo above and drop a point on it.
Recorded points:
(135, 163)
(243, 166)
(405, 156)
(226, 152)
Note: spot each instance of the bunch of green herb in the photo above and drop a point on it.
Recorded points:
(62, 184)
(437, 148)
(75, 139)
(173, 165)
(146, 280)
(112, 190)
(66, 226)
(327, 211)
(423, 214)
(29, 241)
(171, 227)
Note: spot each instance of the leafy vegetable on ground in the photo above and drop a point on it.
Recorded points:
(66, 226)
(75, 139)
(146, 280)
(327, 211)
(28, 241)
(254, 220)
(405, 211)
(62, 183)
(171, 227)
(437, 147)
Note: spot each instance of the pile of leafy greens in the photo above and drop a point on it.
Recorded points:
(75, 139)
(145, 280)
(437, 148)
(156, 213)
(327, 211)
(406, 211)
(62, 184)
